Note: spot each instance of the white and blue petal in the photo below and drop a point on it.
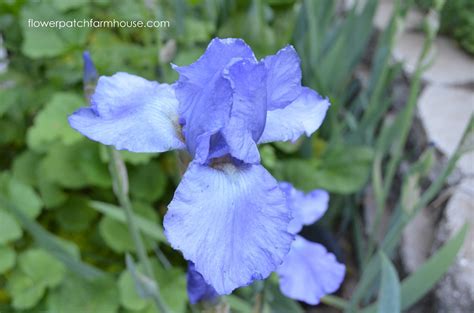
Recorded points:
(205, 96)
(306, 208)
(284, 78)
(249, 109)
(231, 221)
(198, 289)
(309, 272)
(302, 116)
(131, 113)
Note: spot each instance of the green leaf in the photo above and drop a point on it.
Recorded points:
(172, 284)
(343, 169)
(389, 294)
(22, 195)
(75, 166)
(51, 124)
(238, 305)
(129, 298)
(147, 182)
(277, 302)
(420, 283)
(117, 235)
(67, 5)
(41, 267)
(133, 158)
(37, 271)
(75, 214)
(151, 229)
(39, 42)
(9, 228)
(76, 295)
(7, 258)
(53, 245)
(25, 198)
(25, 291)
(24, 167)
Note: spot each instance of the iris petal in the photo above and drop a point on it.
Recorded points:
(309, 272)
(198, 289)
(205, 96)
(249, 110)
(131, 113)
(231, 222)
(306, 208)
(284, 78)
(302, 116)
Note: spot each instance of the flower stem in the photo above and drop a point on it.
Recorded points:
(120, 183)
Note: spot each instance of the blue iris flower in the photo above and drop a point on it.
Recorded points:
(198, 289)
(228, 215)
(308, 271)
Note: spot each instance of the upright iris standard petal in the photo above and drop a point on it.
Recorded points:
(231, 221)
(249, 110)
(309, 272)
(198, 289)
(131, 113)
(284, 78)
(293, 110)
(302, 116)
(306, 208)
(205, 96)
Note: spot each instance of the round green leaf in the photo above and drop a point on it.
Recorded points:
(116, 234)
(25, 291)
(9, 228)
(25, 198)
(41, 267)
(7, 258)
(76, 295)
(51, 123)
(75, 214)
(147, 182)
(129, 298)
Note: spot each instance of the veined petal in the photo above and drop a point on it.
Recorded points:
(131, 113)
(309, 272)
(219, 54)
(249, 109)
(231, 222)
(198, 289)
(284, 78)
(205, 96)
(303, 116)
(306, 208)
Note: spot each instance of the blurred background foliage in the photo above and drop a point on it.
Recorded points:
(63, 240)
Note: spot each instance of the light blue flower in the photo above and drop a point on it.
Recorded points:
(309, 271)
(198, 289)
(228, 215)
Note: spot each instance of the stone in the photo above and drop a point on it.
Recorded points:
(445, 113)
(455, 292)
(417, 240)
(384, 13)
(451, 65)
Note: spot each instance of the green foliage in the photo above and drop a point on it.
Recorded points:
(78, 295)
(457, 21)
(51, 126)
(62, 237)
(7, 258)
(9, 228)
(37, 271)
(389, 293)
